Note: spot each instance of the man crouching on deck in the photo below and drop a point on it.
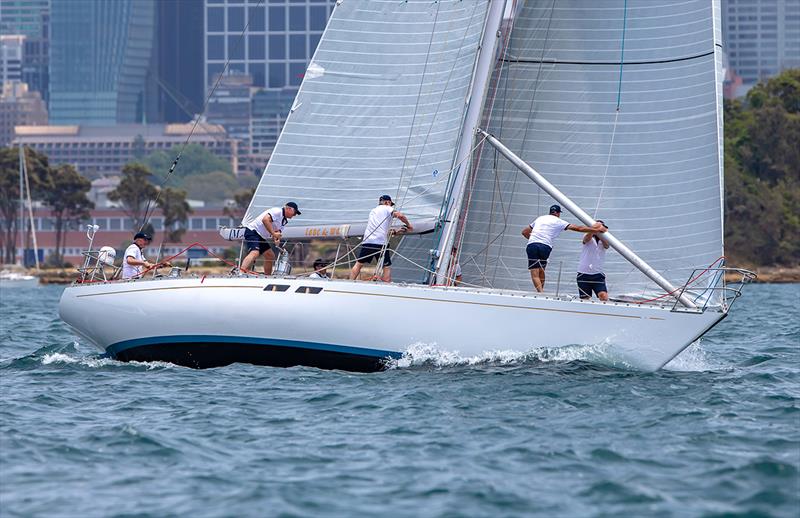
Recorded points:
(263, 235)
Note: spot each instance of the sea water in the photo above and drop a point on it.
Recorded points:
(717, 433)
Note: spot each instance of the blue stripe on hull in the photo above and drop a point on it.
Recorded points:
(119, 347)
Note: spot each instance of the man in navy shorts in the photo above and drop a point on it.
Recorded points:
(541, 234)
(590, 267)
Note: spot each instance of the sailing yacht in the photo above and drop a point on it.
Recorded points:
(474, 125)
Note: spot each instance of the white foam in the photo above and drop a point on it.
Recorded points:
(428, 354)
(693, 359)
(98, 362)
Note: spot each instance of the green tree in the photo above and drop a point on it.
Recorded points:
(176, 212)
(241, 200)
(211, 187)
(195, 160)
(68, 202)
(135, 192)
(38, 178)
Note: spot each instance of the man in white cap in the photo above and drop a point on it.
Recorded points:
(541, 234)
(262, 235)
(376, 237)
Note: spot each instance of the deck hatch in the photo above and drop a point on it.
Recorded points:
(276, 287)
(313, 290)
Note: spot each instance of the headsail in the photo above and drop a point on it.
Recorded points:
(379, 112)
(652, 170)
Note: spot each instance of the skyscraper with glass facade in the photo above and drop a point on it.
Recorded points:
(280, 39)
(762, 37)
(101, 61)
(23, 17)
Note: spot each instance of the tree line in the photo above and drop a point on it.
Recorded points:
(65, 192)
(762, 174)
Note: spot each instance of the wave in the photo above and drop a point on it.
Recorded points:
(428, 355)
(72, 355)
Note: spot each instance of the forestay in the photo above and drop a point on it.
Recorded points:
(378, 112)
(652, 172)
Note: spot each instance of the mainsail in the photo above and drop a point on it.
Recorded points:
(379, 111)
(617, 103)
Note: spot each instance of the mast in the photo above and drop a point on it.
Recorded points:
(579, 213)
(476, 96)
(30, 210)
(21, 224)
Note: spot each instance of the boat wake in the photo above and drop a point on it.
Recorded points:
(72, 355)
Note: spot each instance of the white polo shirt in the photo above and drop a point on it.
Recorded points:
(546, 228)
(378, 225)
(593, 256)
(130, 271)
(278, 222)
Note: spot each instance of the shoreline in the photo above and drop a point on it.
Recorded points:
(766, 274)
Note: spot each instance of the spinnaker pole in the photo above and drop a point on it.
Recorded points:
(579, 213)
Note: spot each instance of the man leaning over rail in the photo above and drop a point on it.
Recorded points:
(541, 234)
(262, 235)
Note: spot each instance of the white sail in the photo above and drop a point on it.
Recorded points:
(379, 112)
(618, 104)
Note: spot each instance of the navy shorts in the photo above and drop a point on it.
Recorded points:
(369, 251)
(537, 255)
(591, 282)
(254, 241)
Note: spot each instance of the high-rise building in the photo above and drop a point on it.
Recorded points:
(11, 48)
(101, 66)
(762, 37)
(280, 39)
(19, 107)
(23, 17)
(179, 56)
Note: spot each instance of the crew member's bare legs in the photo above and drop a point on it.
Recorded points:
(356, 271)
(248, 260)
(537, 276)
(603, 295)
(269, 258)
(387, 274)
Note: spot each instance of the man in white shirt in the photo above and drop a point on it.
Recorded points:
(541, 234)
(376, 237)
(262, 235)
(133, 261)
(590, 267)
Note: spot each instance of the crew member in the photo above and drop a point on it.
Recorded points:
(377, 236)
(134, 262)
(262, 235)
(590, 266)
(541, 234)
(320, 269)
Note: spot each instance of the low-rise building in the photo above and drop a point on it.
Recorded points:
(101, 150)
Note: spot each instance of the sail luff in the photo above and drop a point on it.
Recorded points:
(462, 164)
(579, 213)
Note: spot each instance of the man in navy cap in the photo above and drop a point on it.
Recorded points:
(133, 261)
(541, 234)
(263, 235)
(376, 236)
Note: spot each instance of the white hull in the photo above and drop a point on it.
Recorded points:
(357, 325)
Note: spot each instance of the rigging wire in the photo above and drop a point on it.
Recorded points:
(154, 202)
(616, 111)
